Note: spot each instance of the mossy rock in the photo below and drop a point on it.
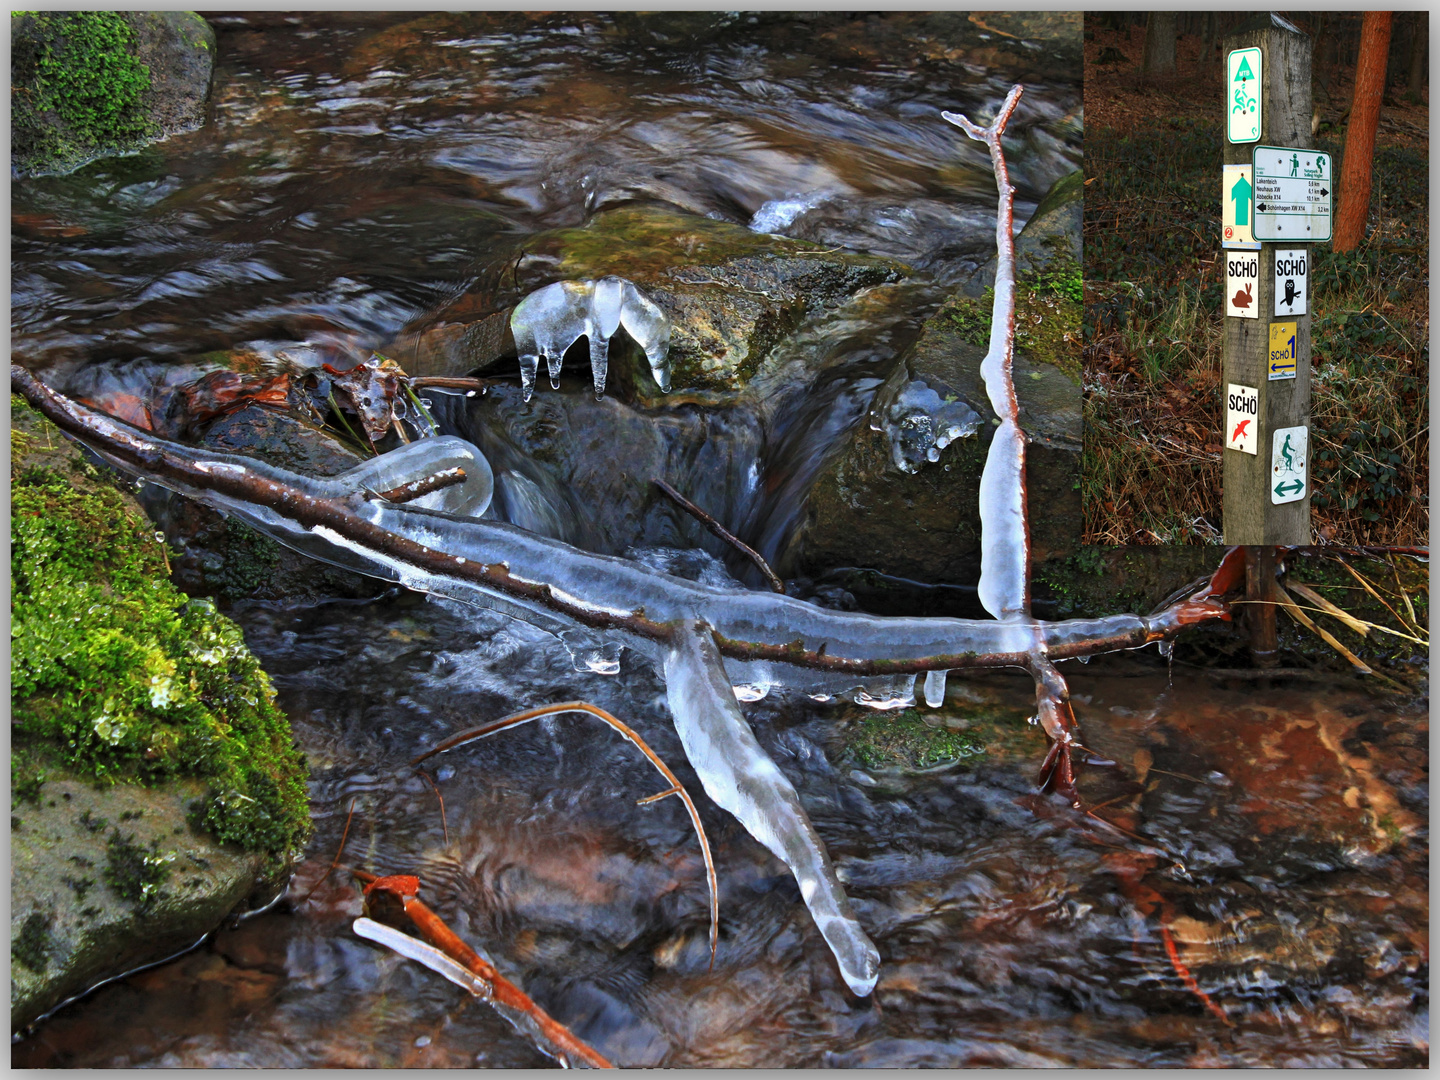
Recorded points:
(731, 294)
(155, 785)
(89, 84)
(106, 878)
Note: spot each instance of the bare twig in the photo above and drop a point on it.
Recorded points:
(338, 852)
(436, 788)
(723, 533)
(418, 489)
(633, 737)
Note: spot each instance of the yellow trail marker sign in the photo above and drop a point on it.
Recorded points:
(1282, 350)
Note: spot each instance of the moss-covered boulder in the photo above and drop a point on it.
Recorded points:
(87, 84)
(730, 293)
(136, 707)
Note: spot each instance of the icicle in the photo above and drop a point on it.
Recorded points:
(648, 325)
(738, 775)
(935, 689)
(548, 321)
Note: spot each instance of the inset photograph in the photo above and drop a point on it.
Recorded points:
(1202, 314)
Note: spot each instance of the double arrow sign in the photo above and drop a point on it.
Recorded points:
(1283, 488)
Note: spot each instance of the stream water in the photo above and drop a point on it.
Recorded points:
(363, 169)
(1278, 840)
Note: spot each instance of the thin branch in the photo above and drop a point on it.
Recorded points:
(723, 533)
(336, 861)
(426, 485)
(633, 737)
(436, 787)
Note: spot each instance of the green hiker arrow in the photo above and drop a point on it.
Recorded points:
(1283, 488)
(1241, 193)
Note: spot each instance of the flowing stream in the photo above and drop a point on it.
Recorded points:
(361, 170)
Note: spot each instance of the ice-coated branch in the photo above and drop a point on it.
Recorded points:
(740, 777)
(1004, 523)
(1004, 514)
(555, 585)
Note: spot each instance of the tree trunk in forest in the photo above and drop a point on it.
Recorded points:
(1419, 39)
(1159, 44)
(1207, 46)
(1356, 167)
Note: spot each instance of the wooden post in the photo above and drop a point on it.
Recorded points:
(1250, 516)
(1260, 597)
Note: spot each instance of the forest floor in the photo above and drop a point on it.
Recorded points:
(1154, 313)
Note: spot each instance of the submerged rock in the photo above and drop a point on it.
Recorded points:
(88, 84)
(730, 294)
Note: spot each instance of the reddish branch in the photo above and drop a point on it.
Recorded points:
(394, 900)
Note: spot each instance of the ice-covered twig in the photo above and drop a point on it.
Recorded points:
(553, 584)
(740, 777)
(395, 899)
(1004, 517)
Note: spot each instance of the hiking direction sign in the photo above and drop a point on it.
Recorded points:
(1283, 352)
(1287, 464)
(1292, 276)
(1242, 284)
(1242, 68)
(1242, 417)
(1291, 194)
(1236, 189)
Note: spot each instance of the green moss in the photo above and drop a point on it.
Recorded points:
(77, 88)
(116, 675)
(135, 874)
(33, 945)
(1047, 317)
(907, 741)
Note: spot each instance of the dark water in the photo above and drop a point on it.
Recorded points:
(362, 170)
(1278, 836)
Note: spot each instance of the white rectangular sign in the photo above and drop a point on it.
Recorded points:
(1292, 190)
(1235, 202)
(1292, 274)
(1242, 417)
(1287, 464)
(1242, 77)
(1242, 284)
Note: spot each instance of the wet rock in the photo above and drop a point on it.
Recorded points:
(1050, 243)
(106, 879)
(94, 83)
(730, 294)
(875, 505)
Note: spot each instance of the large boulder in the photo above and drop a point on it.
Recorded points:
(155, 784)
(729, 292)
(87, 84)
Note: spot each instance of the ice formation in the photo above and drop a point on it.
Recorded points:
(561, 589)
(740, 777)
(550, 320)
(920, 423)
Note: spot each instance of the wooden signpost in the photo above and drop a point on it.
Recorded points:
(1266, 364)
